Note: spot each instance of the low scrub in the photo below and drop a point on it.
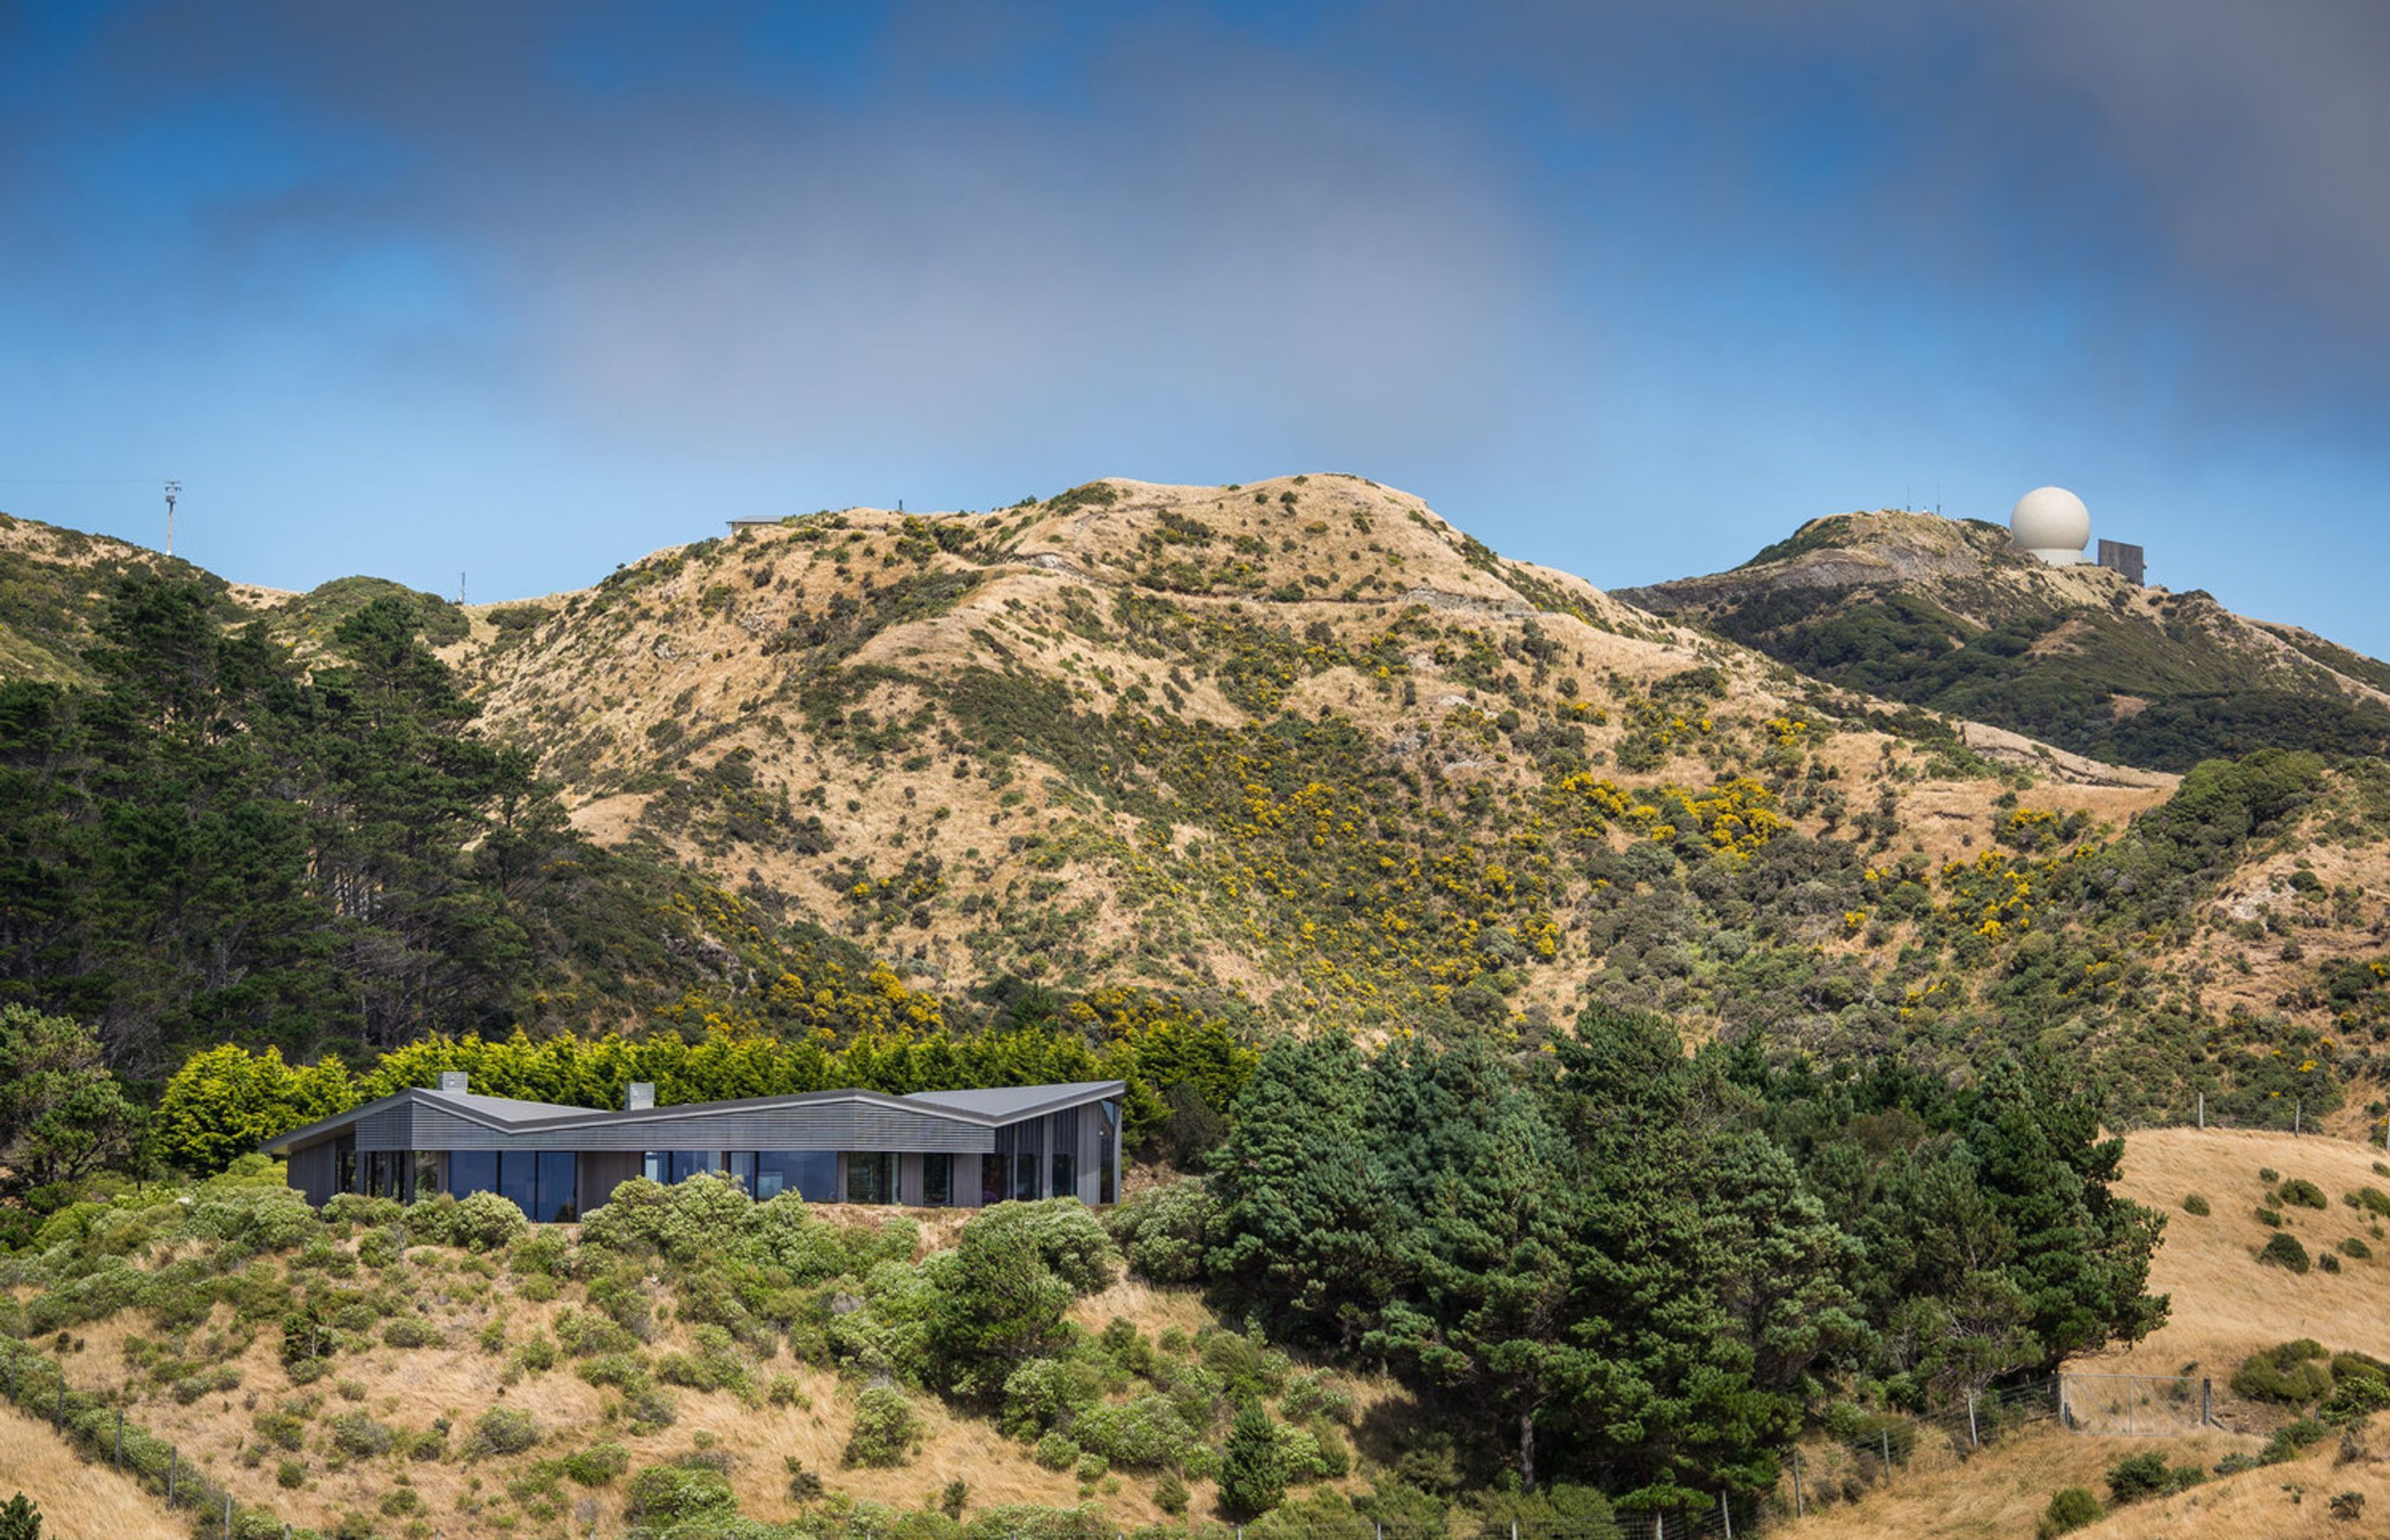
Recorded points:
(2293, 1374)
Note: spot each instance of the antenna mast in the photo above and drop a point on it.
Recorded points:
(173, 490)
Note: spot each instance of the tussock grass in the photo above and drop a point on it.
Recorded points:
(84, 1502)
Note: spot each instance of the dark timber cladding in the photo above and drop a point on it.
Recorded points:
(932, 1149)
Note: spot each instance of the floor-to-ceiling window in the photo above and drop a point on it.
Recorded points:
(556, 1201)
(1107, 1138)
(810, 1173)
(995, 1169)
(678, 1165)
(1062, 1139)
(539, 1182)
(471, 1171)
(937, 1181)
(871, 1177)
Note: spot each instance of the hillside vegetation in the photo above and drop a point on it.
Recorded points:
(1944, 613)
(1292, 753)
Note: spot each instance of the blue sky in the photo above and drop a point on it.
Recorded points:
(524, 291)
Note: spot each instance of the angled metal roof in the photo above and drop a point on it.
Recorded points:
(505, 1115)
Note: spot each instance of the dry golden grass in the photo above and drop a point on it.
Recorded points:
(2226, 1305)
(2000, 1494)
(78, 1501)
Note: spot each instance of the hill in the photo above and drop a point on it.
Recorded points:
(1291, 752)
(1944, 613)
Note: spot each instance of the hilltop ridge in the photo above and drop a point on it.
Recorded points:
(1945, 613)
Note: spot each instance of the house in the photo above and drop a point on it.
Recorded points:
(931, 1149)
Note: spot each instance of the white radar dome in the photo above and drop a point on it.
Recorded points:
(2051, 523)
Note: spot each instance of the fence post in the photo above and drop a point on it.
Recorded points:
(2206, 1389)
(1798, 1508)
(2202, 1110)
(1724, 1512)
(1972, 1441)
(173, 1469)
(1886, 1434)
(228, 1523)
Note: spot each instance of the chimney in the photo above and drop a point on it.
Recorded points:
(452, 1080)
(642, 1095)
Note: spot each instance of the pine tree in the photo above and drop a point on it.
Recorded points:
(1253, 1474)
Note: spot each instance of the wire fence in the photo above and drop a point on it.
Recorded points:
(98, 1430)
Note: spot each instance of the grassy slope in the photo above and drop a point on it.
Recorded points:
(407, 1389)
(2225, 1307)
(78, 1501)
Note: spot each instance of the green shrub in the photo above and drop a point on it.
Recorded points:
(2271, 1218)
(2069, 1509)
(1162, 1232)
(537, 1355)
(355, 1433)
(2287, 1442)
(2293, 1374)
(2284, 1250)
(1057, 1450)
(2138, 1476)
(598, 1464)
(2193, 1203)
(1070, 1239)
(484, 1222)
(2329, 1261)
(1170, 1494)
(1309, 1395)
(662, 1496)
(783, 1392)
(503, 1430)
(2374, 1199)
(1093, 1469)
(716, 1365)
(399, 1502)
(2301, 1193)
(1044, 1391)
(291, 1473)
(2360, 1386)
(2269, 1176)
(2355, 1250)
(1145, 1435)
(885, 1431)
(1025, 1521)
(412, 1331)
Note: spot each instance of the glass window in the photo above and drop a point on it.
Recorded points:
(1066, 1174)
(651, 1165)
(1107, 1184)
(937, 1181)
(991, 1178)
(686, 1164)
(1024, 1177)
(871, 1177)
(740, 1164)
(427, 1174)
(347, 1156)
(812, 1175)
(472, 1171)
(555, 1184)
(519, 1179)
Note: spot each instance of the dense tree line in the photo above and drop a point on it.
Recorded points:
(219, 842)
(1642, 1269)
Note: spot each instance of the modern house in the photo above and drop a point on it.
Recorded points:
(932, 1149)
